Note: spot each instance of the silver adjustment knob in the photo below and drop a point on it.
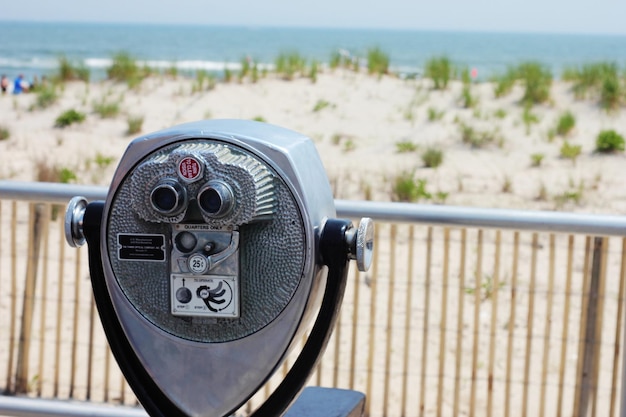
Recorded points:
(74, 222)
(361, 244)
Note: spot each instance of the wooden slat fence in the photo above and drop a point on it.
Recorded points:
(449, 321)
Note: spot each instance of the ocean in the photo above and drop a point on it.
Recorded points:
(34, 48)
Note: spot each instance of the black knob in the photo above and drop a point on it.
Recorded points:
(183, 295)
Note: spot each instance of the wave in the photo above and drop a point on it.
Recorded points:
(97, 64)
(34, 63)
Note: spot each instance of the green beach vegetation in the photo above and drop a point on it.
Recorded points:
(124, 68)
(588, 79)
(432, 157)
(535, 77)
(68, 118)
(338, 59)
(103, 161)
(537, 80)
(5, 133)
(503, 83)
(405, 146)
(434, 114)
(405, 188)
(69, 71)
(288, 65)
(529, 118)
(571, 152)
(565, 124)
(321, 104)
(440, 71)
(204, 81)
(609, 141)
(536, 159)
(106, 109)
(49, 172)
(135, 124)
(314, 68)
(46, 96)
(467, 99)
(377, 61)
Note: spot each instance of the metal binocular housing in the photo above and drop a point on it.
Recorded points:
(215, 250)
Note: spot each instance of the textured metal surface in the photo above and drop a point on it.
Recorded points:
(272, 251)
(251, 181)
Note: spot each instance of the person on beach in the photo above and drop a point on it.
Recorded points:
(19, 85)
(4, 83)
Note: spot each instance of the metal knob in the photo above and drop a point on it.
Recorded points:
(74, 222)
(361, 244)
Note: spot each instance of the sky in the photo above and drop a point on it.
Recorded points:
(543, 16)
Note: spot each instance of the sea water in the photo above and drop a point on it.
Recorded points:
(34, 48)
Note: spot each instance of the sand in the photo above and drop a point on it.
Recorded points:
(361, 120)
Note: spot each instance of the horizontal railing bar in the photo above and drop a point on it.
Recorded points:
(49, 192)
(545, 221)
(539, 221)
(31, 407)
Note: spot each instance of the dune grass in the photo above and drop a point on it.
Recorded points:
(440, 71)
(135, 124)
(5, 133)
(405, 188)
(289, 65)
(571, 152)
(125, 69)
(609, 141)
(377, 61)
(405, 146)
(69, 117)
(69, 71)
(565, 124)
(46, 96)
(106, 109)
(432, 157)
(535, 77)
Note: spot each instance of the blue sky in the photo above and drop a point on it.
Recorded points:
(559, 16)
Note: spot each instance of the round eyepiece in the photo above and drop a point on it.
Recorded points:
(168, 197)
(216, 199)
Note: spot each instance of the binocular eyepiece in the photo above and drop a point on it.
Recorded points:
(216, 244)
(168, 197)
(215, 198)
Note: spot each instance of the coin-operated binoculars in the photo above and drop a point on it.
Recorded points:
(214, 251)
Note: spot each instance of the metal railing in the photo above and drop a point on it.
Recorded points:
(466, 311)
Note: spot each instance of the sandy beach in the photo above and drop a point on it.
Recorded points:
(359, 123)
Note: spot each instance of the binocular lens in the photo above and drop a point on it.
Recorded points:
(168, 197)
(216, 199)
(211, 201)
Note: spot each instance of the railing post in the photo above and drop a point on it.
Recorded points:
(588, 361)
(21, 377)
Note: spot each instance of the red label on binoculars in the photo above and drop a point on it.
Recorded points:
(189, 169)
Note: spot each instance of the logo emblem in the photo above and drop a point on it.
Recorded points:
(189, 169)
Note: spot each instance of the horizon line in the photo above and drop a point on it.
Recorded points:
(261, 26)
